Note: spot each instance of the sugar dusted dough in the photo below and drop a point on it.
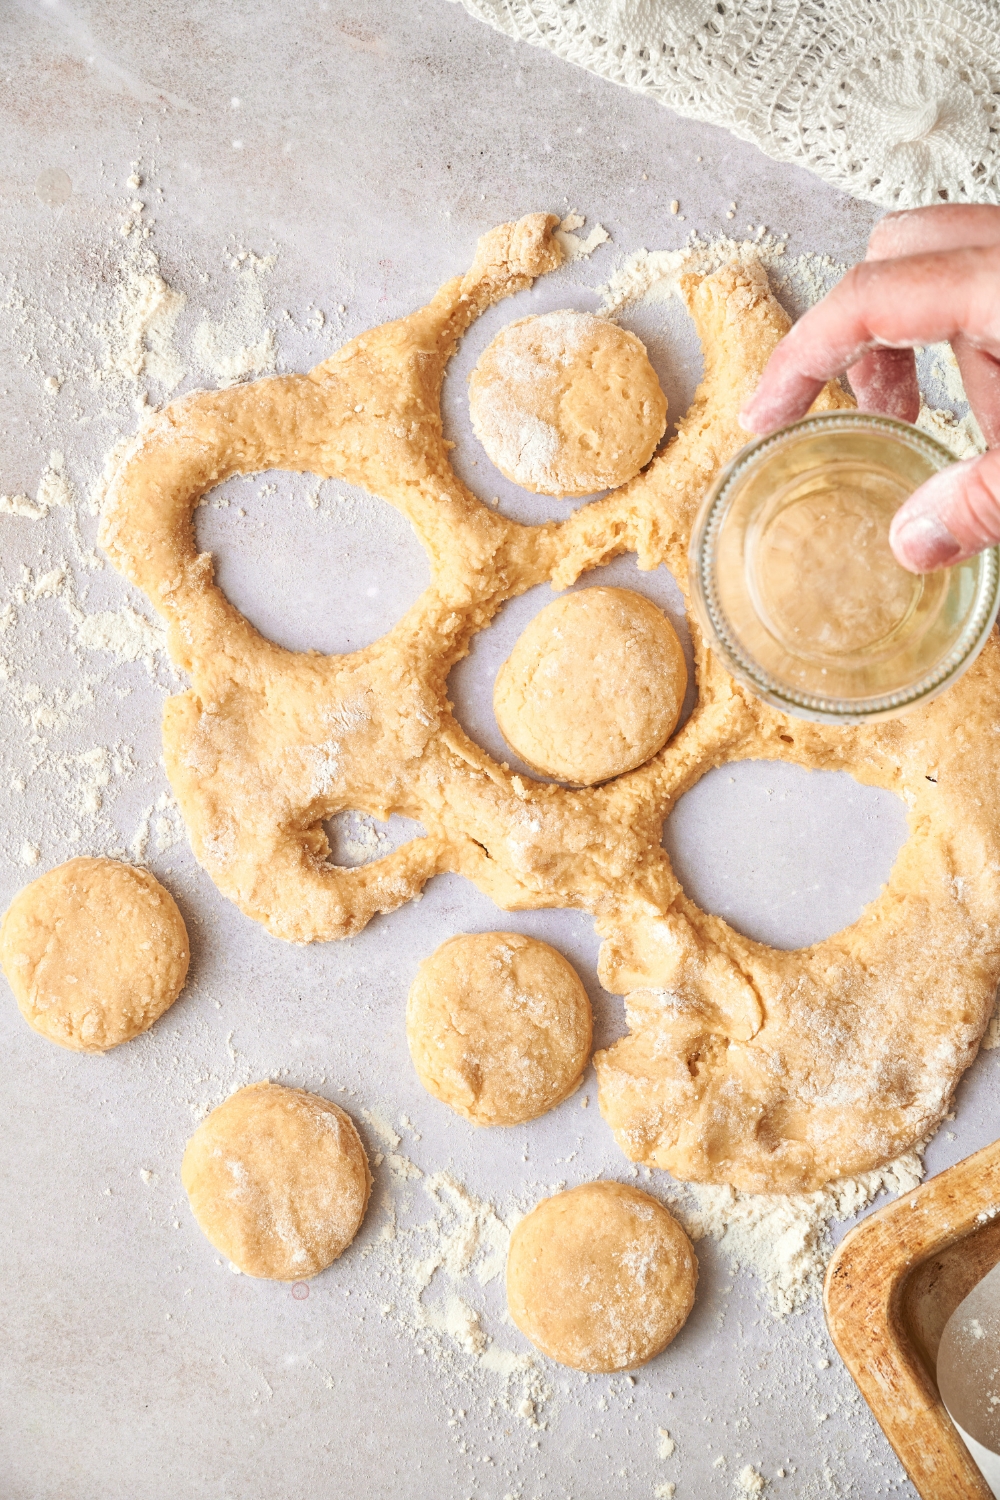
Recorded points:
(600, 1278)
(278, 1180)
(95, 951)
(499, 1027)
(593, 687)
(566, 403)
(772, 1071)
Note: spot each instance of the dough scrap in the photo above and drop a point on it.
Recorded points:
(95, 951)
(600, 1278)
(593, 687)
(499, 1027)
(771, 1071)
(566, 403)
(278, 1180)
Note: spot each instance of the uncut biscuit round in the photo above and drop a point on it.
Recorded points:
(566, 403)
(600, 1278)
(499, 1027)
(278, 1180)
(95, 951)
(593, 687)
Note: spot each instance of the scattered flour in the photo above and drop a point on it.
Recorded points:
(655, 275)
(400, 1166)
(140, 337)
(439, 1267)
(49, 585)
(161, 822)
(240, 346)
(54, 487)
(572, 245)
(380, 1125)
(356, 839)
(124, 633)
(21, 505)
(960, 434)
(785, 1238)
(749, 1482)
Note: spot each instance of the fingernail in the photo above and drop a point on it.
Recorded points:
(922, 543)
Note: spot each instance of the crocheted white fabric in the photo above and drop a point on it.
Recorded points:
(897, 101)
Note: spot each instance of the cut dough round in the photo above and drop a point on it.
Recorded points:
(567, 403)
(95, 951)
(278, 1180)
(499, 1027)
(600, 1278)
(593, 687)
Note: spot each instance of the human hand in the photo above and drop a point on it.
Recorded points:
(931, 274)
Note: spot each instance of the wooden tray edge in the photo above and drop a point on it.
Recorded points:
(861, 1300)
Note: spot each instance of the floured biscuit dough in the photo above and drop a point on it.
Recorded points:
(600, 1278)
(95, 951)
(593, 687)
(566, 403)
(769, 1070)
(278, 1180)
(499, 1027)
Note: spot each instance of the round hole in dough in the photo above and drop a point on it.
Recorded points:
(499, 1027)
(278, 1180)
(567, 403)
(600, 1278)
(593, 687)
(95, 951)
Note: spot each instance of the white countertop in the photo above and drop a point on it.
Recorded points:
(376, 143)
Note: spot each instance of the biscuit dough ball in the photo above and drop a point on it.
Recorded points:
(95, 951)
(278, 1180)
(600, 1278)
(566, 403)
(499, 1027)
(593, 687)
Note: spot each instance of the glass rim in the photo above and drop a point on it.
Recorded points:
(708, 522)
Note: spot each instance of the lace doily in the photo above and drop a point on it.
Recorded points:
(897, 101)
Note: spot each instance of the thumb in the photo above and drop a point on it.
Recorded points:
(955, 514)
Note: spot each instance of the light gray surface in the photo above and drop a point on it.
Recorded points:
(377, 143)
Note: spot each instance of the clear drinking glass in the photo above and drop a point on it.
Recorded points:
(796, 588)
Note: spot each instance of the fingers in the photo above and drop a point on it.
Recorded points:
(886, 381)
(951, 517)
(946, 226)
(898, 304)
(980, 374)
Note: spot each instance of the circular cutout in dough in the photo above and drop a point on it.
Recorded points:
(95, 951)
(593, 687)
(278, 1180)
(499, 1027)
(600, 1278)
(566, 403)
